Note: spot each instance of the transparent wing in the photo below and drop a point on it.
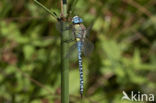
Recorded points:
(72, 52)
(58, 27)
(88, 30)
(71, 35)
(87, 47)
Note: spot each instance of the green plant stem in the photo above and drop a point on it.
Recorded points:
(64, 49)
(64, 61)
(46, 9)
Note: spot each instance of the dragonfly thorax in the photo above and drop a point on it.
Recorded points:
(79, 31)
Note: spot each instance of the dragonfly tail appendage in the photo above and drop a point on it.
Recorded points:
(79, 44)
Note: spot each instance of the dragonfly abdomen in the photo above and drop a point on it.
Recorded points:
(79, 44)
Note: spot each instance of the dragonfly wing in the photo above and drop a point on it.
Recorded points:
(58, 26)
(87, 47)
(72, 52)
(71, 35)
(88, 30)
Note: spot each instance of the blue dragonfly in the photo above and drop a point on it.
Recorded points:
(82, 44)
(79, 34)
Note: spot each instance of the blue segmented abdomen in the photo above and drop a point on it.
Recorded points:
(79, 45)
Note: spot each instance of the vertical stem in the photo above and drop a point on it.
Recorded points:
(64, 61)
(64, 49)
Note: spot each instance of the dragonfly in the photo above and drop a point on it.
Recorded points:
(82, 43)
(79, 35)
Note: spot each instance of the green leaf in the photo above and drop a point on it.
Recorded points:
(28, 51)
(74, 81)
(112, 49)
(136, 59)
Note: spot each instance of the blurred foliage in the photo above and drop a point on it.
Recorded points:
(124, 56)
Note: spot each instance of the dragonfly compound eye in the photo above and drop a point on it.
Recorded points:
(77, 20)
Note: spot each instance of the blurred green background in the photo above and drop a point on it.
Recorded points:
(124, 56)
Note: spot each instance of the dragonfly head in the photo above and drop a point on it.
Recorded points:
(77, 20)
